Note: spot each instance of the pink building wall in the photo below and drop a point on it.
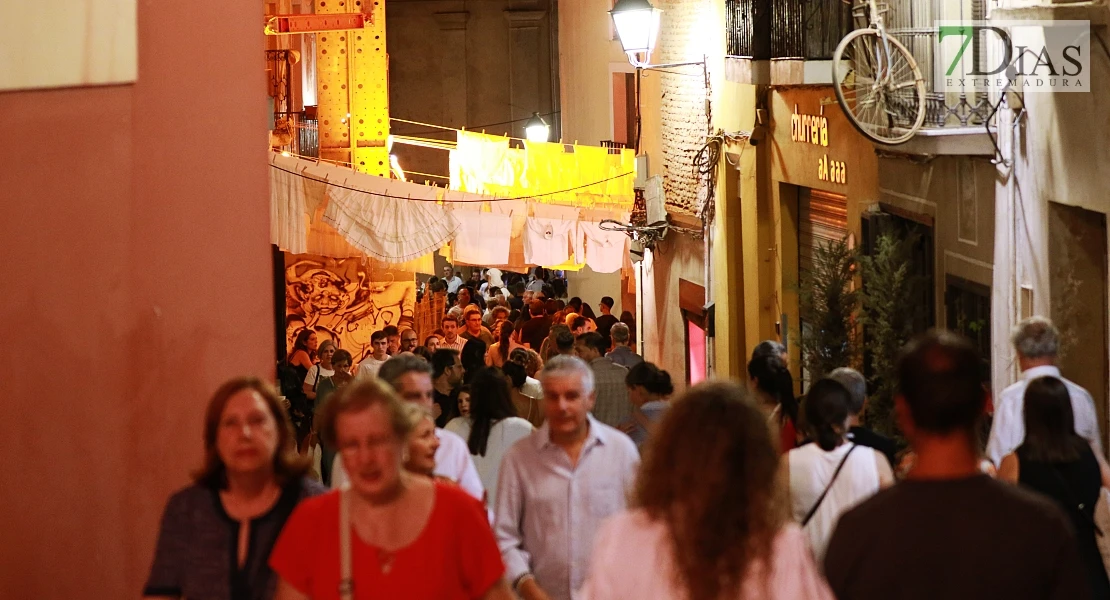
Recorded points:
(136, 277)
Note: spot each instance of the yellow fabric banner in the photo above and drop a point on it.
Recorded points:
(584, 176)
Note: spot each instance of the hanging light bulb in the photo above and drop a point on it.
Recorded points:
(536, 129)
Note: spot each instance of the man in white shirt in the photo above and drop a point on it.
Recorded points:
(369, 366)
(1036, 341)
(452, 280)
(557, 486)
(451, 337)
(411, 377)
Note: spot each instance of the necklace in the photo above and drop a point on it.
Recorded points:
(385, 560)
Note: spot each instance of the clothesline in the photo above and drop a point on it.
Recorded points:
(488, 199)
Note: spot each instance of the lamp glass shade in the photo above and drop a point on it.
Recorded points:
(637, 25)
(536, 129)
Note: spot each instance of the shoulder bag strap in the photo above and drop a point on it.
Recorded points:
(821, 498)
(316, 381)
(346, 583)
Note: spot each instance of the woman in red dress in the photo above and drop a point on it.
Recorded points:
(404, 535)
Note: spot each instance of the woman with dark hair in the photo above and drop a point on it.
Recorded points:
(831, 475)
(473, 357)
(648, 390)
(1055, 461)
(774, 388)
(527, 404)
(722, 538)
(498, 353)
(216, 534)
(492, 428)
(303, 354)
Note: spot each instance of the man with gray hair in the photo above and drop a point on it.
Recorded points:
(1036, 341)
(622, 353)
(411, 377)
(856, 386)
(557, 486)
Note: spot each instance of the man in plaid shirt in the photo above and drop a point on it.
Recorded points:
(612, 406)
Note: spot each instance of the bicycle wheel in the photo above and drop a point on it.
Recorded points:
(879, 86)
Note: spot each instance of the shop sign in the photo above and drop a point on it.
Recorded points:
(814, 129)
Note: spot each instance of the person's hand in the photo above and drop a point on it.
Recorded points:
(530, 590)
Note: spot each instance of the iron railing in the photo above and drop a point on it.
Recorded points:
(299, 131)
(808, 29)
(912, 22)
(799, 29)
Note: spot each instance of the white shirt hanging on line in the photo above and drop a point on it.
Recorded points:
(547, 241)
(605, 250)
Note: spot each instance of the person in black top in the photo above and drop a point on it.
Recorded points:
(606, 321)
(948, 531)
(856, 385)
(1055, 461)
(447, 376)
(216, 534)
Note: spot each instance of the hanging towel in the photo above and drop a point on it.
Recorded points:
(482, 238)
(547, 241)
(605, 250)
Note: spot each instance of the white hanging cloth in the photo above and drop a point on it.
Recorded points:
(289, 212)
(547, 241)
(605, 250)
(482, 238)
(394, 221)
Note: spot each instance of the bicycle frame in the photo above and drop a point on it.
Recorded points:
(875, 21)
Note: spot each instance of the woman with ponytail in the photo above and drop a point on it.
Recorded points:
(774, 388)
(831, 475)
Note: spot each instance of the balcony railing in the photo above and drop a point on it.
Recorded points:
(798, 29)
(811, 30)
(299, 130)
(912, 23)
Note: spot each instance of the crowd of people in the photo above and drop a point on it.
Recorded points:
(552, 462)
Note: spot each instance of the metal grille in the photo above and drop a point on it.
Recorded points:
(747, 28)
(912, 23)
(301, 131)
(808, 29)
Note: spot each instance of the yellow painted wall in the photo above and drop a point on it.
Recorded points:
(794, 164)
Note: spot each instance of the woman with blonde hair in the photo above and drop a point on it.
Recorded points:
(217, 533)
(378, 537)
(706, 521)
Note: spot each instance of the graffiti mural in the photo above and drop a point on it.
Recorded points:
(345, 300)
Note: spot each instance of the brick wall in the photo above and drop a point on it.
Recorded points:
(683, 124)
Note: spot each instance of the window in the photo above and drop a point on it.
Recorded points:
(695, 350)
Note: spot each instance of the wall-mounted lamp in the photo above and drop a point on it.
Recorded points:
(637, 25)
(536, 129)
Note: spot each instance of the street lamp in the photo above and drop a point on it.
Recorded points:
(637, 25)
(536, 129)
